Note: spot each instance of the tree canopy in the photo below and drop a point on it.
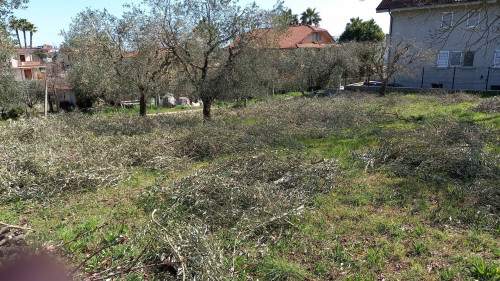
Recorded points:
(360, 31)
(116, 58)
(310, 17)
(9, 92)
(201, 36)
(289, 18)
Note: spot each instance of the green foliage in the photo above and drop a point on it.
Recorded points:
(310, 17)
(288, 18)
(10, 94)
(13, 113)
(40, 55)
(481, 271)
(359, 30)
(447, 274)
(279, 269)
(311, 69)
(8, 6)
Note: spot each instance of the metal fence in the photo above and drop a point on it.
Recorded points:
(475, 78)
(453, 78)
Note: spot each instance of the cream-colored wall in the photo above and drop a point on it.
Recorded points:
(325, 38)
(422, 28)
(16, 61)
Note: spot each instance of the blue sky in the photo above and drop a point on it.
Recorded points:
(52, 16)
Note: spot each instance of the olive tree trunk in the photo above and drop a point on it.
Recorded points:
(142, 105)
(207, 108)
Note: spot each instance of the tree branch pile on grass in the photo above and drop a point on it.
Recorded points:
(243, 199)
(452, 154)
(489, 106)
(42, 158)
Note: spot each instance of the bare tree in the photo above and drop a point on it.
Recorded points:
(386, 60)
(200, 33)
(117, 56)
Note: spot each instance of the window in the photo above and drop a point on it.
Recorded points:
(473, 19)
(443, 59)
(469, 58)
(316, 37)
(456, 59)
(447, 20)
(496, 60)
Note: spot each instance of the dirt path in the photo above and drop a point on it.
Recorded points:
(176, 112)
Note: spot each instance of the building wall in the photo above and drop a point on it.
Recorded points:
(325, 38)
(16, 61)
(423, 29)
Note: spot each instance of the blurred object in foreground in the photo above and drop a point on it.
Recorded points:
(33, 267)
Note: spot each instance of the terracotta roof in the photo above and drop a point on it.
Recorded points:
(294, 37)
(397, 4)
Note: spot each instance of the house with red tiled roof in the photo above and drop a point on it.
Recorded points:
(463, 34)
(304, 36)
(300, 36)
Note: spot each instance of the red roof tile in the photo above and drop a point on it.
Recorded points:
(292, 38)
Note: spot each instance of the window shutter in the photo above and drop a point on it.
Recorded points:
(496, 61)
(443, 59)
(469, 58)
(447, 20)
(456, 59)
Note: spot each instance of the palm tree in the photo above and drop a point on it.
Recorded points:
(310, 17)
(32, 29)
(14, 24)
(290, 18)
(23, 24)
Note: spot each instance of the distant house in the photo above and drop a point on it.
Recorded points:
(27, 66)
(463, 35)
(304, 36)
(300, 36)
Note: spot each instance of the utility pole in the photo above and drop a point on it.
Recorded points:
(46, 95)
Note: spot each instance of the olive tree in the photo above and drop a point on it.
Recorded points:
(311, 69)
(116, 57)
(9, 91)
(207, 37)
(387, 60)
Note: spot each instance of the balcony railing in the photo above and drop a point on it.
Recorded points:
(30, 63)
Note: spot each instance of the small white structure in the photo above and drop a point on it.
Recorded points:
(169, 100)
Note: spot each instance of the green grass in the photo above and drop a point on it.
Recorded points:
(372, 225)
(279, 269)
(337, 147)
(150, 110)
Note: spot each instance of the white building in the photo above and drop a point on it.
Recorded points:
(27, 66)
(464, 36)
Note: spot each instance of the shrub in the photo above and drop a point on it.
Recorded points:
(481, 271)
(13, 113)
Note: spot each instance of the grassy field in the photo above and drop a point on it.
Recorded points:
(347, 187)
